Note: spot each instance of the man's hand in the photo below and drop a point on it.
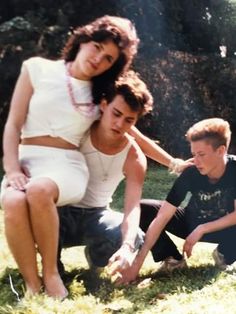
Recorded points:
(128, 275)
(120, 261)
(191, 240)
(124, 266)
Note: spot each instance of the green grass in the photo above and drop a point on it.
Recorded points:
(201, 288)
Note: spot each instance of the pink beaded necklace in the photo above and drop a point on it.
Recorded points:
(87, 109)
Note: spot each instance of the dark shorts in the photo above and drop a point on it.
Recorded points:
(97, 228)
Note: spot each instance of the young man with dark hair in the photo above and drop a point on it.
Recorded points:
(111, 155)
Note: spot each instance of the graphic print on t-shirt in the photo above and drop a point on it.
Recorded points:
(211, 205)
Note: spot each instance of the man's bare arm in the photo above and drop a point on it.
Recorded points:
(134, 170)
(165, 213)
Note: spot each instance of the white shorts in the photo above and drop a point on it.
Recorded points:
(67, 168)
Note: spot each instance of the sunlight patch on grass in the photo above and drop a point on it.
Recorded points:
(74, 257)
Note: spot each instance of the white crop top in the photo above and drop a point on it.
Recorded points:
(99, 192)
(50, 109)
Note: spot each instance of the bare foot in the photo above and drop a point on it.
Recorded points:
(33, 288)
(54, 287)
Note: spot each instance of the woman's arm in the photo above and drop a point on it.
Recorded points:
(11, 137)
(152, 150)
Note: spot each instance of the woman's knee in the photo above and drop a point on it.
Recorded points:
(14, 205)
(41, 192)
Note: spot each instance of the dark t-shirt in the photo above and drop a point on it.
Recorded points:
(208, 201)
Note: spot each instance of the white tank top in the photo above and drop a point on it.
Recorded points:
(101, 187)
(50, 109)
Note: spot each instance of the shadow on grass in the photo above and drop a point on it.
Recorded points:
(187, 280)
(95, 285)
(192, 278)
(11, 287)
(161, 284)
(98, 286)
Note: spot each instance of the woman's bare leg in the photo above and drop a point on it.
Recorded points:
(20, 237)
(42, 195)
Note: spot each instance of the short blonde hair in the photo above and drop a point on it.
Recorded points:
(215, 131)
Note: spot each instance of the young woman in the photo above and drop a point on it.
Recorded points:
(53, 105)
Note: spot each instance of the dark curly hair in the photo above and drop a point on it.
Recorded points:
(121, 31)
(133, 90)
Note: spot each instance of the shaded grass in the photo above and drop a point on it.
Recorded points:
(201, 288)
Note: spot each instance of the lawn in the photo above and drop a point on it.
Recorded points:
(201, 288)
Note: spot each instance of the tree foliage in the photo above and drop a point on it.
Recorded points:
(188, 88)
(187, 54)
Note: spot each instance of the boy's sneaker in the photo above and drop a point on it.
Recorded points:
(170, 264)
(219, 259)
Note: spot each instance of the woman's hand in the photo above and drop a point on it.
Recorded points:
(177, 165)
(17, 180)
